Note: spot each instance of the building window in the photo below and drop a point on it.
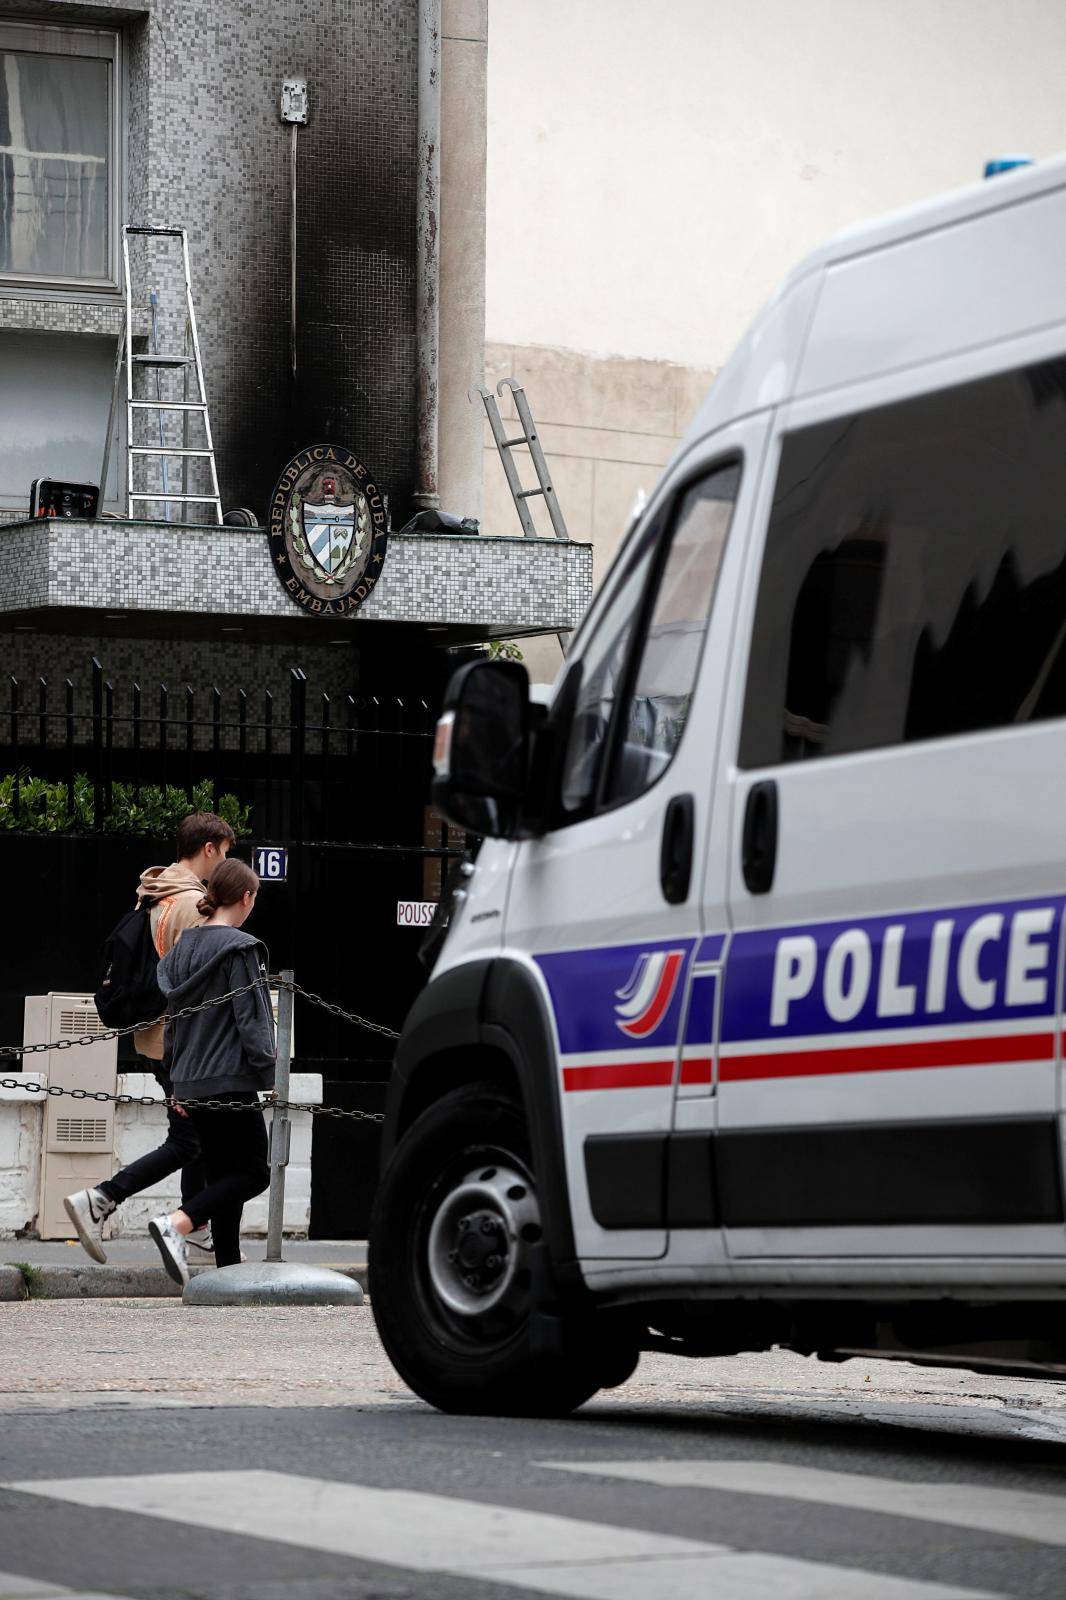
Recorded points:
(58, 155)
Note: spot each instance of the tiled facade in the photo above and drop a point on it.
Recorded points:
(497, 586)
(205, 149)
(204, 146)
(225, 664)
(60, 316)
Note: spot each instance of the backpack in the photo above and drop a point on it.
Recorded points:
(128, 989)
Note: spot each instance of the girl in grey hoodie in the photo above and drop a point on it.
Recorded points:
(224, 1053)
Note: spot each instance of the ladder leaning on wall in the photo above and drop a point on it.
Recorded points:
(529, 438)
(190, 365)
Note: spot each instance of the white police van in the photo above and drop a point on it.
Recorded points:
(747, 1027)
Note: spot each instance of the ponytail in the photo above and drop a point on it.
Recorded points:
(228, 884)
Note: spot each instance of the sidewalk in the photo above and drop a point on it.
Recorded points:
(51, 1270)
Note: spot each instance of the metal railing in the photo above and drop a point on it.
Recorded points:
(291, 759)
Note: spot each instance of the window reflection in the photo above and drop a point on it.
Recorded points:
(914, 579)
(669, 661)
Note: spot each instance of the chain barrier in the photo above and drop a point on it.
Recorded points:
(339, 1011)
(269, 1104)
(130, 1027)
(174, 1016)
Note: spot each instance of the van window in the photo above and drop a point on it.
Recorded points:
(639, 668)
(657, 706)
(914, 579)
(602, 666)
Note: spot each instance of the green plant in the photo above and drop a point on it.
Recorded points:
(31, 1277)
(504, 650)
(34, 805)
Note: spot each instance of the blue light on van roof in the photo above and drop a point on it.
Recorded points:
(1000, 164)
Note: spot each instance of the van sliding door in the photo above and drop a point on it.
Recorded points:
(889, 1039)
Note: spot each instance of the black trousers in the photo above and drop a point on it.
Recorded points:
(181, 1148)
(234, 1146)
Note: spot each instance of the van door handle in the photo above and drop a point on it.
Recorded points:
(759, 846)
(675, 852)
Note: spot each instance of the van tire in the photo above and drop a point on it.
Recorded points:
(466, 1340)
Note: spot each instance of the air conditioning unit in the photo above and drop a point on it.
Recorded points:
(79, 1135)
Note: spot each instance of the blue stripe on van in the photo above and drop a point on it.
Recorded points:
(972, 964)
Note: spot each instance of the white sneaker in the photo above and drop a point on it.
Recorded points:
(171, 1248)
(88, 1210)
(203, 1239)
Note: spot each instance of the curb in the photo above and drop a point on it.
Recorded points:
(109, 1282)
(12, 1284)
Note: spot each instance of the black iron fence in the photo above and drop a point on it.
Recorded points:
(305, 767)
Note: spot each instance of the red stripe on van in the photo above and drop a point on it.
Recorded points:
(696, 1069)
(650, 1020)
(620, 1075)
(891, 1057)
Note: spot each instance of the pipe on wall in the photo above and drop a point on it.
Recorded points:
(427, 276)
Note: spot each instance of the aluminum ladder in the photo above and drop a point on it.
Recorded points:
(188, 364)
(528, 437)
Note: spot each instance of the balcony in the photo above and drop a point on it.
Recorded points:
(59, 575)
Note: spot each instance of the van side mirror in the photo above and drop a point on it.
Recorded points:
(481, 752)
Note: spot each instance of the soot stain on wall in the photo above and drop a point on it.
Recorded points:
(208, 150)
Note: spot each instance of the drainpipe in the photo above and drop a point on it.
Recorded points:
(427, 279)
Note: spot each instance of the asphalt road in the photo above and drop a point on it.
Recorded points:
(159, 1453)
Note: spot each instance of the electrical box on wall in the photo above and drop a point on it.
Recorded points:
(79, 1135)
(294, 101)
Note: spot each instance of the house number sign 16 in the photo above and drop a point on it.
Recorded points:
(271, 862)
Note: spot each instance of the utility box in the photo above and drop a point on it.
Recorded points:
(79, 1135)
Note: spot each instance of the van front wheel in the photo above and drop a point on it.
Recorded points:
(453, 1244)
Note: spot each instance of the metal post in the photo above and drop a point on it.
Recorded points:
(427, 260)
(112, 417)
(15, 746)
(297, 749)
(292, 250)
(98, 745)
(279, 1126)
(70, 748)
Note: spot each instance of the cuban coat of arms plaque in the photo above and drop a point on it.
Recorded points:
(328, 530)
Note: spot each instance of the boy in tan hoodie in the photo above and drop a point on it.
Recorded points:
(172, 893)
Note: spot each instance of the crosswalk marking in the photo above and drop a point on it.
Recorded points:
(12, 1587)
(734, 1576)
(15, 1587)
(1017, 1512)
(398, 1527)
(474, 1540)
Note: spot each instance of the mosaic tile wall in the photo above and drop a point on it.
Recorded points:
(60, 316)
(499, 585)
(204, 664)
(206, 149)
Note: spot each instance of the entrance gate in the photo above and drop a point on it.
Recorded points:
(96, 782)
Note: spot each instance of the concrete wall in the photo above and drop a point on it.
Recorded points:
(654, 170)
(608, 426)
(139, 1129)
(21, 1122)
